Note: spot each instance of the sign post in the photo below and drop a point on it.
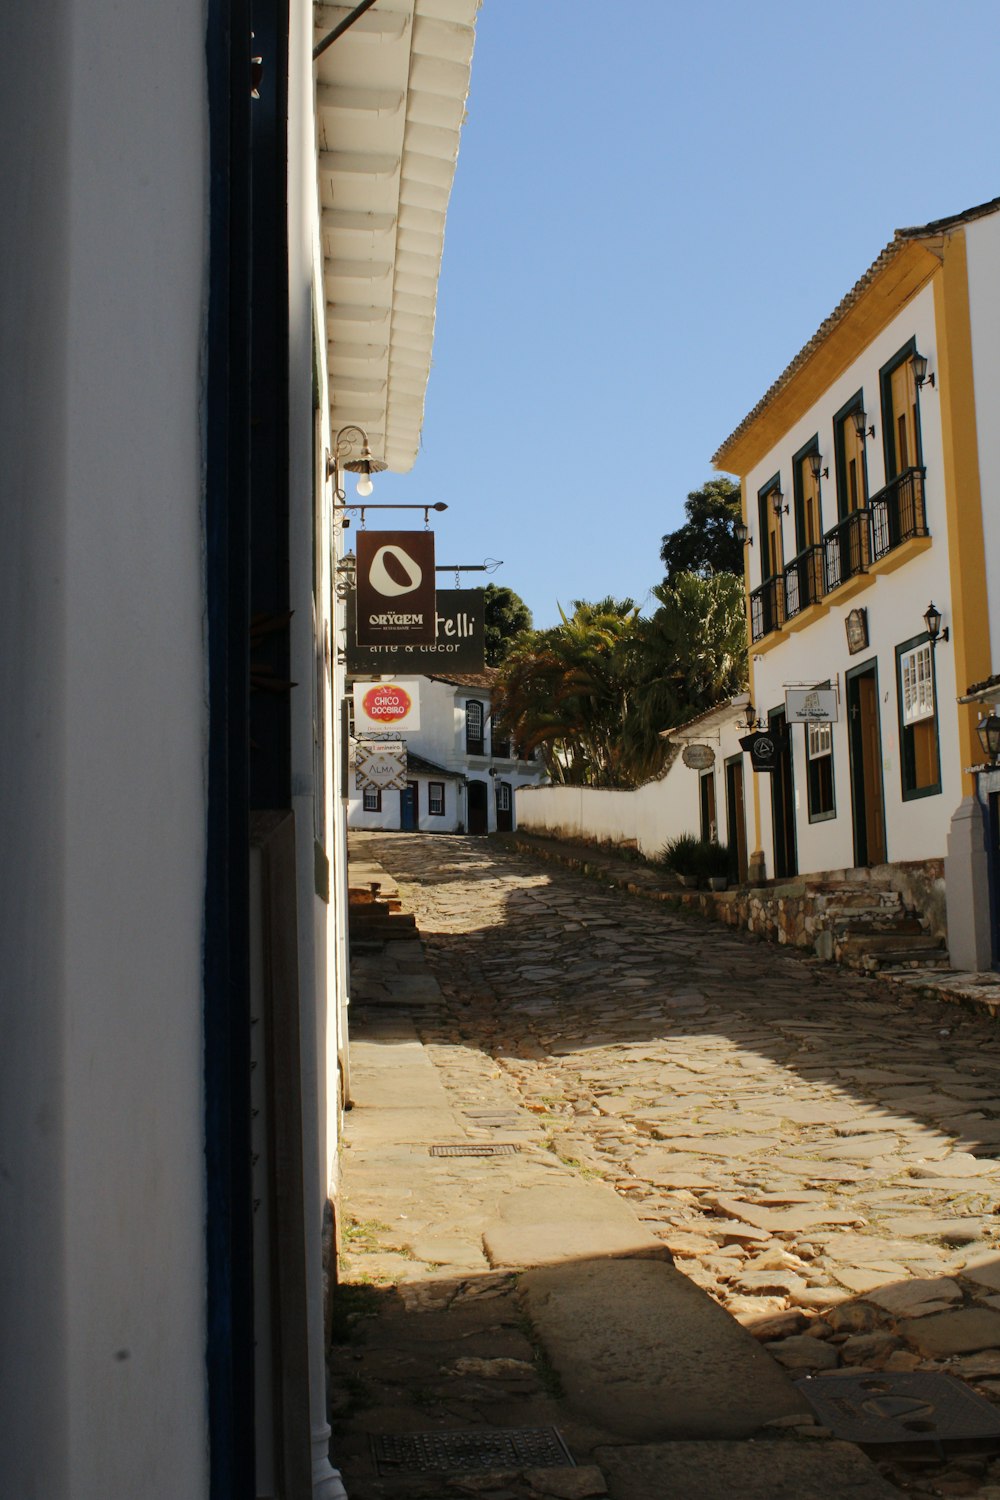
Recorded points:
(459, 644)
(395, 588)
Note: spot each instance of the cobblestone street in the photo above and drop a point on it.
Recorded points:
(816, 1151)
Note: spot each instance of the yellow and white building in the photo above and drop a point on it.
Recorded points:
(869, 474)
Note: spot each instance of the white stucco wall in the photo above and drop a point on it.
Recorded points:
(983, 250)
(103, 786)
(441, 740)
(647, 816)
(895, 601)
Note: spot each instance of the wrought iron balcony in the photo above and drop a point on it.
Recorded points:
(767, 607)
(805, 583)
(897, 512)
(848, 549)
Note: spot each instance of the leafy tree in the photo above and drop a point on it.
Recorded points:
(505, 617)
(592, 693)
(563, 691)
(706, 543)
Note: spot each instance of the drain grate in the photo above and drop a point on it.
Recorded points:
(465, 1452)
(900, 1408)
(508, 1149)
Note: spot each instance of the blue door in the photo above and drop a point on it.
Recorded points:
(408, 808)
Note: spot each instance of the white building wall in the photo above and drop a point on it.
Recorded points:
(648, 816)
(895, 601)
(983, 251)
(103, 785)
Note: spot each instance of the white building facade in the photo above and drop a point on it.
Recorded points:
(177, 368)
(462, 775)
(868, 492)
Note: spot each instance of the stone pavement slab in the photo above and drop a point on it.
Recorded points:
(640, 1348)
(566, 1221)
(783, 1470)
(703, 1078)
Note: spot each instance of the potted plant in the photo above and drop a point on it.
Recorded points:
(716, 864)
(682, 854)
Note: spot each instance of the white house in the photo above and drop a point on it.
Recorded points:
(869, 474)
(869, 483)
(461, 773)
(217, 256)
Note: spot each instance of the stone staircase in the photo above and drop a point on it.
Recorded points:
(375, 919)
(868, 927)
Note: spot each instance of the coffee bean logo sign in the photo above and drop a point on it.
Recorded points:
(394, 572)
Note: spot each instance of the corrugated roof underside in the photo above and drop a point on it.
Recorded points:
(391, 95)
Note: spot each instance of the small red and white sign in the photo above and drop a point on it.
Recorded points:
(382, 706)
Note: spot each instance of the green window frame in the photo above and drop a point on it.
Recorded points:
(893, 468)
(843, 432)
(821, 795)
(916, 705)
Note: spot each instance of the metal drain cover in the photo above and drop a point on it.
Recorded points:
(900, 1408)
(477, 1150)
(484, 1450)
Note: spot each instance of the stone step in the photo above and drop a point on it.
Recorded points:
(398, 927)
(645, 1353)
(890, 942)
(908, 958)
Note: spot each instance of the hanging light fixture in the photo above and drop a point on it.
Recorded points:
(932, 621)
(988, 730)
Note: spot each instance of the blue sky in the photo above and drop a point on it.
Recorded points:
(655, 206)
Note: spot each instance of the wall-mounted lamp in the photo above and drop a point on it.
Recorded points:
(347, 574)
(920, 375)
(860, 420)
(776, 498)
(741, 531)
(988, 730)
(751, 719)
(932, 620)
(365, 465)
(816, 468)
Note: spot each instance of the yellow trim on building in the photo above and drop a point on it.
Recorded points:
(904, 276)
(963, 494)
(756, 853)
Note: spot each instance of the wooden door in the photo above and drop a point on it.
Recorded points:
(478, 807)
(783, 803)
(868, 805)
(903, 399)
(736, 827)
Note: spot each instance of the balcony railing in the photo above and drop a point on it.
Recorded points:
(767, 607)
(804, 580)
(898, 512)
(893, 516)
(848, 549)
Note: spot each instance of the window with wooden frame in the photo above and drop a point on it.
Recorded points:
(808, 520)
(435, 799)
(819, 772)
(900, 414)
(851, 459)
(372, 799)
(504, 799)
(920, 765)
(772, 551)
(475, 743)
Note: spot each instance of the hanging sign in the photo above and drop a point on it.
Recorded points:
(856, 626)
(811, 705)
(380, 765)
(459, 644)
(395, 588)
(765, 748)
(698, 757)
(382, 706)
